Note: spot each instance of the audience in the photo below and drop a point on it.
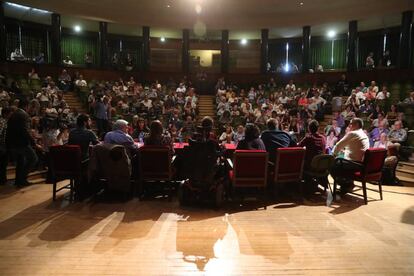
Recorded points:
(251, 140)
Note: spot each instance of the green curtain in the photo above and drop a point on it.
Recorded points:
(12, 38)
(367, 44)
(393, 43)
(33, 42)
(77, 46)
(320, 53)
(295, 53)
(339, 53)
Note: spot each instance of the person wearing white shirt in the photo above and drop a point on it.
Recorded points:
(181, 89)
(290, 86)
(353, 145)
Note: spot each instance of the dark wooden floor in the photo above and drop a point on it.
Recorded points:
(157, 237)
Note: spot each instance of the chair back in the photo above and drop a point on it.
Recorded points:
(373, 162)
(250, 168)
(322, 162)
(111, 162)
(289, 164)
(65, 160)
(155, 163)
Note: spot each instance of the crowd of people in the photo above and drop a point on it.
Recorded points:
(266, 116)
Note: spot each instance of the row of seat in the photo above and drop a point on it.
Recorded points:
(247, 168)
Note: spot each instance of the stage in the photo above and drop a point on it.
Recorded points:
(158, 237)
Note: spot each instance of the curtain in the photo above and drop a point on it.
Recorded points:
(277, 53)
(339, 53)
(76, 47)
(393, 43)
(295, 53)
(367, 44)
(33, 42)
(12, 38)
(134, 48)
(320, 53)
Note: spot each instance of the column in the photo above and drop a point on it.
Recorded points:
(145, 48)
(103, 44)
(351, 58)
(264, 51)
(306, 37)
(224, 51)
(55, 37)
(3, 54)
(185, 57)
(405, 49)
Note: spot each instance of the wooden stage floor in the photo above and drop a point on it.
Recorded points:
(157, 237)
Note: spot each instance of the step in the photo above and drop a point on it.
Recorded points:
(408, 173)
(406, 165)
(32, 176)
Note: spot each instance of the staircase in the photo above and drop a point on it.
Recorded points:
(72, 99)
(405, 172)
(206, 106)
(34, 177)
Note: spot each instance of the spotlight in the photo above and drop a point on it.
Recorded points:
(243, 41)
(198, 8)
(287, 67)
(331, 34)
(162, 39)
(77, 28)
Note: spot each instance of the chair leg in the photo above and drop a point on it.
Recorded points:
(380, 188)
(364, 190)
(71, 190)
(54, 190)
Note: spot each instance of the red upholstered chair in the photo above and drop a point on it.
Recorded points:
(66, 163)
(155, 164)
(371, 170)
(248, 169)
(289, 165)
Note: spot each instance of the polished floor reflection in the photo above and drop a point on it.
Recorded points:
(157, 237)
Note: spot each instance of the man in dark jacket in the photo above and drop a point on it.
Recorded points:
(274, 139)
(19, 143)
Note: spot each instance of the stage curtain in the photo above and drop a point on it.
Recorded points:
(76, 47)
(277, 53)
(393, 43)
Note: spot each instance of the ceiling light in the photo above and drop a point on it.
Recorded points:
(331, 34)
(301, 3)
(198, 8)
(162, 39)
(168, 6)
(77, 28)
(243, 41)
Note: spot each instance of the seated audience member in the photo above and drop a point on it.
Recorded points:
(39, 59)
(239, 134)
(383, 142)
(82, 135)
(119, 136)
(274, 138)
(81, 82)
(251, 139)
(5, 114)
(377, 132)
(331, 140)
(17, 55)
(353, 145)
(157, 137)
(397, 134)
(140, 130)
(67, 61)
(33, 75)
(88, 59)
(314, 142)
(409, 99)
(227, 135)
(333, 127)
(379, 120)
(369, 62)
(65, 81)
(392, 114)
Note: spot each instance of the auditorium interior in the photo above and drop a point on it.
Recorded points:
(207, 137)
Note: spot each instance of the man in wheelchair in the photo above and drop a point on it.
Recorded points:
(202, 168)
